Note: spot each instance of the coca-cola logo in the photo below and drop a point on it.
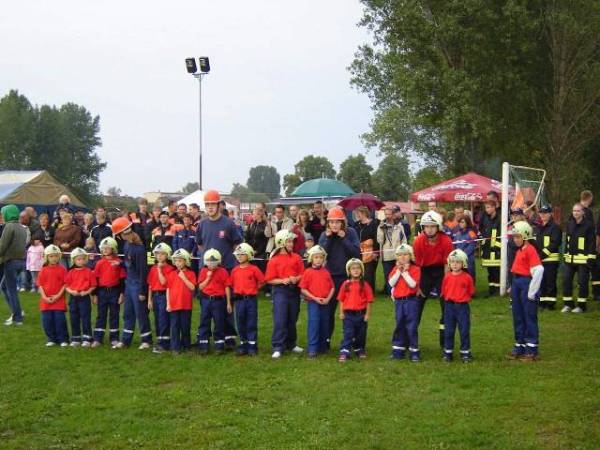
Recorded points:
(468, 197)
(426, 197)
(457, 184)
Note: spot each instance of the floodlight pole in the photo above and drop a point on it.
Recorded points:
(504, 228)
(198, 76)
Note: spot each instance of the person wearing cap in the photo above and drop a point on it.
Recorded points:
(181, 284)
(157, 295)
(219, 232)
(109, 294)
(390, 234)
(341, 244)
(317, 289)
(527, 273)
(136, 288)
(80, 283)
(284, 271)
(404, 281)
(491, 245)
(579, 256)
(318, 222)
(549, 241)
(51, 286)
(164, 233)
(246, 280)
(458, 289)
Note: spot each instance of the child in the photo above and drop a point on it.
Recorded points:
(92, 252)
(284, 271)
(157, 295)
(110, 276)
(35, 260)
(215, 295)
(465, 239)
(404, 281)
(457, 290)
(309, 243)
(80, 283)
(246, 280)
(317, 288)
(527, 273)
(51, 286)
(355, 298)
(181, 283)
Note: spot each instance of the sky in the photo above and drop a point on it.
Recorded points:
(278, 88)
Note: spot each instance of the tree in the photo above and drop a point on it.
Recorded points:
(308, 168)
(425, 177)
(391, 180)
(190, 187)
(265, 180)
(246, 196)
(356, 173)
(114, 191)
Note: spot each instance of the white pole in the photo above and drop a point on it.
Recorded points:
(504, 228)
(199, 77)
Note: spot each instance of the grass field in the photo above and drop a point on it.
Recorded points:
(82, 398)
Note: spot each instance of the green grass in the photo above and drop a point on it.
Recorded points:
(78, 398)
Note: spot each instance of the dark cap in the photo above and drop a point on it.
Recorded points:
(546, 209)
(517, 211)
(396, 209)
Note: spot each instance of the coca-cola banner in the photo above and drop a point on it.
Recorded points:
(470, 187)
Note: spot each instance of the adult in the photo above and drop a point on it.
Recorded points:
(586, 198)
(172, 210)
(67, 237)
(223, 208)
(181, 211)
(24, 280)
(279, 221)
(12, 260)
(432, 206)
(366, 228)
(64, 203)
(549, 240)
(318, 223)
(459, 211)
(390, 234)
(219, 232)
(34, 223)
(46, 230)
(164, 232)
(194, 210)
(86, 229)
(293, 212)
(257, 236)
(341, 244)
(303, 222)
(152, 223)
(102, 229)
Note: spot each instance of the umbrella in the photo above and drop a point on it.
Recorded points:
(322, 187)
(356, 200)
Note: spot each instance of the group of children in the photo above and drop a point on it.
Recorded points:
(432, 268)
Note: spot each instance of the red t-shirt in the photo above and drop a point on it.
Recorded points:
(432, 254)
(217, 284)
(181, 297)
(81, 279)
(109, 271)
(525, 258)
(353, 297)
(402, 289)
(153, 280)
(284, 265)
(317, 281)
(246, 280)
(458, 288)
(51, 279)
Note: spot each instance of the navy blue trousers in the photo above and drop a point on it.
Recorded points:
(107, 308)
(135, 310)
(524, 313)
(214, 310)
(286, 307)
(457, 314)
(406, 333)
(180, 323)
(355, 332)
(55, 326)
(161, 319)
(80, 313)
(318, 327)
(246, 318)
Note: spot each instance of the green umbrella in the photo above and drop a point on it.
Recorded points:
(322, 187)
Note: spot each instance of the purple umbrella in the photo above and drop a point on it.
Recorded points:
(362, 199)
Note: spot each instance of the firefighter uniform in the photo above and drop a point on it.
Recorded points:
(490, 251)
(596, 269)
(549, 240)
(579, 257)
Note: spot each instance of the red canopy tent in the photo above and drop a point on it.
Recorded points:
(470, 187)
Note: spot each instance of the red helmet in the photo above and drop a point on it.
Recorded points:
(120, 224)
(212, 197)
(336, 214)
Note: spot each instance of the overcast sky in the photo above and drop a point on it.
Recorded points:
(278, 89)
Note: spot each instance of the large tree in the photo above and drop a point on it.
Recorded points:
(356, 173)
(190, 187)
(391, 180)
(245, 195)
(265, 180)
(308, 168)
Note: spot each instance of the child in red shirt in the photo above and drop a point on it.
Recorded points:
(80, 283)
(355, 298)
(528, 271)
(157, 295)
(404, 281)
(110, 276)
(246, 280)
(215, 294)
(51, 286)
(181, 284)
(317, 288)
(457, 290)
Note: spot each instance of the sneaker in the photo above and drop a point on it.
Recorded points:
(96, 344)
(117, 345)
(219, 351)
(252, 352)
(33, 291)
(447, 357)
(529, 358)
(398, 354)
(513, 355)
(157, 350)
(22, 290)
(311, 355)
(577, 310)
(297, 349)
(86, 344)
(75, 344)
(241, 351)
(50, 344)
(8, 322)
(565, 309)
(414, 357)
(362, 355)
(113, 343)
(276, 355)
(267, 294)
(19, 324)
(343, 357)
(144, 346)
(466, 358)
(64, 344)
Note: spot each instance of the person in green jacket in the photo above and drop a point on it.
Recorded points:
(12, 260)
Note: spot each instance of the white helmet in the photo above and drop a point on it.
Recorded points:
(181, 253)
(282, 236)
(432, 218)
(77, 252)
(459, 255)
(244, 249)
(212, 256)
(110, 243)
(316, 250)
(163, 248)
(51, 250)
(405, 249)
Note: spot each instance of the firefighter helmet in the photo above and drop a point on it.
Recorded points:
(316, 250)
(76, 253)
(432, 218)
(524, 229)
(405, 249)
(109, 242)
(180, 253)
(212, 256)
(336, 214)
(355, 262)
(120, 224)
(163, 248)
(244, 249)
(460, 256)
(51, 250)
(212, 196)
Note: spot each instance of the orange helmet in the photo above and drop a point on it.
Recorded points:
(120, 224)
(212, 197)
(336, 214)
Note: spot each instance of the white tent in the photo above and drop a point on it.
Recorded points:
(198, 198)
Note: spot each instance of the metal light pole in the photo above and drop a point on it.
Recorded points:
(192, 68)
